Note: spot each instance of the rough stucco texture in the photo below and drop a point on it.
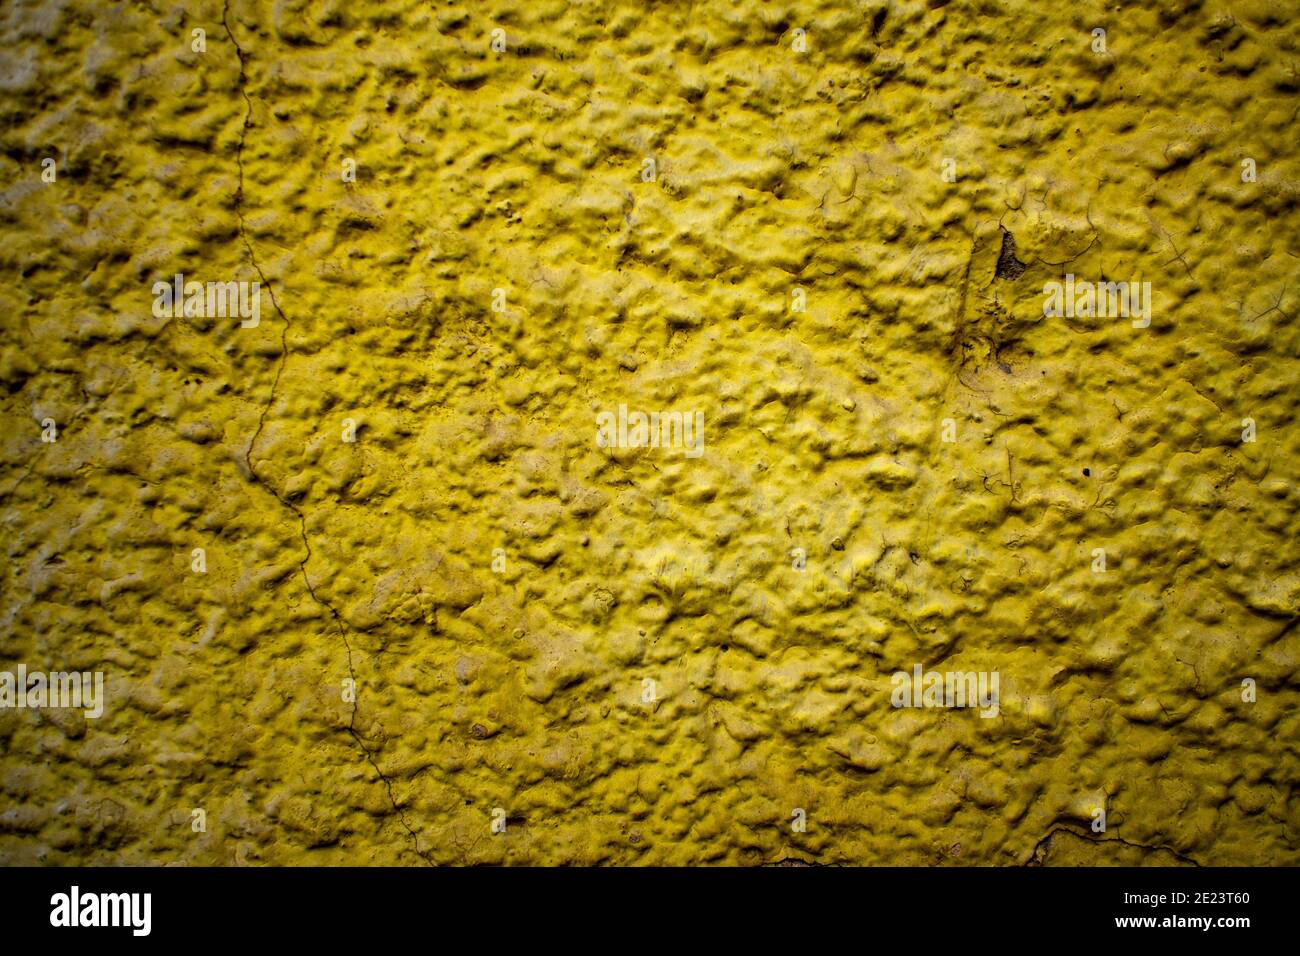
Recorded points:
(650, 679)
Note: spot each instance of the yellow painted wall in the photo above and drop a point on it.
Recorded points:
(781, 161)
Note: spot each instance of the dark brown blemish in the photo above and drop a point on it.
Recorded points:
(1009, 267)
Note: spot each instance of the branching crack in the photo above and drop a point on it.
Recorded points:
(1040, 848)
(1085, 249)
(339, 622)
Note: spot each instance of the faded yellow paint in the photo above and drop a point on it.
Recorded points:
(632, 655)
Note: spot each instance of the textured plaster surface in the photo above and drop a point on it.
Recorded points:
(525, 688)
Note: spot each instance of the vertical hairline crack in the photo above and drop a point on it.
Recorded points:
(339, 621)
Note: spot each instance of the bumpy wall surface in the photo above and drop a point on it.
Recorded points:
(372, 579)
